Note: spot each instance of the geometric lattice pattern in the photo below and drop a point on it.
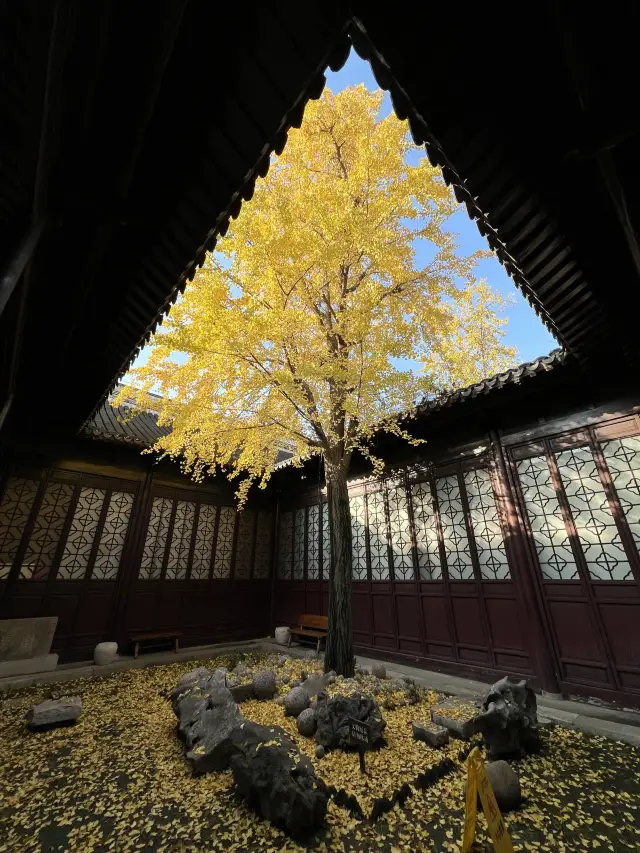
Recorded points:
(313, 537)
(156, 539)
(379, 551)
(47, 529)
(224, 543)
(178, 559)
(597, 531)
(545, 519)
(201, 563)
(77, 550)
(298, 545)
(401, 550)
(112, 538)
(454, 529)
(487, 533)
(285, 545)
(263, 545)
(244, 545)
(426, 532)
(14, 513)
(358, 539)
(326, 542)
(623, 461)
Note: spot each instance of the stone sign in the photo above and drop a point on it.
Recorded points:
(26, 638)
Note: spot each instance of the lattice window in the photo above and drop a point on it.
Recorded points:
(285, 545)
(224, 542)
(14, 513)
(326, 542)
(545, 518)
(485, 523)
(379, 550)
(623, 460)
(201, 562)
(426, 532)
(46, 532)
(156, 539)
(82, 533)
(313, 539)
(603, 550)
(264, 529)
(401, 550)
(454, 531)
(244, 546)
(298, 545)
(113, 536)
(358, 539)
(178, 559)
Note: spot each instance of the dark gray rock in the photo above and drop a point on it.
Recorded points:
(296, 683)
(303, 675)
(54, 712)
(242, 692)
(241, 670)
(232, 682)
(379, 670)
(279, 700)
(508, 720)
(204, 683)
(433, 735)
(296, 701)
(279, 783)
(264, 685)
(286, 678)
(206, 719)
(190, 678)
(333, 717)
(307, 722)
(315, 684)
(320, 751)
(505, 784)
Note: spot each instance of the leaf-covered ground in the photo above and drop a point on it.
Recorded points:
(117, 781)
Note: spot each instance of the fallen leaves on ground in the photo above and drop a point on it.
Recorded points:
(118, 781)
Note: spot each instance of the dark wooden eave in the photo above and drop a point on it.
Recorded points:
(164, 118)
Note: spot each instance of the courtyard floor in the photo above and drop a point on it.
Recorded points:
(118, 781)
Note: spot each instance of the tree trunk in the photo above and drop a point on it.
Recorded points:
(339, 650)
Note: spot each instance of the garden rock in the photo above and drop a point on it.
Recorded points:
(278, 782)
(296, 701)
(505, 784)
(105, 653)
(264, 685)
(333, 715)
(307, 722)
(286, 678)
(54, 712)
(190, 678)
(319, 751)
(508, 720)
(283, 636)
(378, 670)
(207, 715)
(242, 692)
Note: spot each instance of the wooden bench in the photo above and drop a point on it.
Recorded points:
(311, 626)
(142, 637)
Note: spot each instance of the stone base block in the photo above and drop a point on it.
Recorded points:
(458, 728)
(430, 733)
(45, 663)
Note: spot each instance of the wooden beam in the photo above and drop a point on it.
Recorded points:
(23, 255)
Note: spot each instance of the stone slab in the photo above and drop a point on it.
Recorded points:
(431, 734)
(460, 729)
(54, 712)
(26, 638)
(242, 692)
(26, 666)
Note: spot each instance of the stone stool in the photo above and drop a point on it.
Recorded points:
(105, 653)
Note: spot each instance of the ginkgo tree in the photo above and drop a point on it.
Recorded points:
(297, 330)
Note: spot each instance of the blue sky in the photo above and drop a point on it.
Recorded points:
(524, 330)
